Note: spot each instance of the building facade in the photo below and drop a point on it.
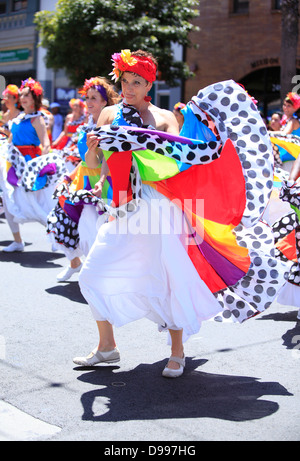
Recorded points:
(238, 40)
(18, 39)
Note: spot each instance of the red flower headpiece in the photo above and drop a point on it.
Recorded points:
(127, 62)
(33, 85)
(295, 100)
(11, 89)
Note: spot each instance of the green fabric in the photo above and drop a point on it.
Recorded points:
(155, 167)
(297, 211)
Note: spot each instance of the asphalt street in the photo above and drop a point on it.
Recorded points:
(241, 382)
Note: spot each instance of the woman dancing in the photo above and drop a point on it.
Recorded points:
(287, 138)
(287, 238)
(72, 223)
(176, 265)
(11, 100)
(30, 173)
(73, 120)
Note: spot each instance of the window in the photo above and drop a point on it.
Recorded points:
(19, 5)
(276, 4)
(240, 6)
(2, 7)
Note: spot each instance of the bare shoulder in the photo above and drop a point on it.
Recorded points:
(165, 120)
(38, 121)
(107, 115)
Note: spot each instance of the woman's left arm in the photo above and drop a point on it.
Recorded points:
(41, 130)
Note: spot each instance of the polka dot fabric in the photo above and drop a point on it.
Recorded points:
(234, 117)
(258, 288)
(287, 225)
(237, 118)
(27, 172)
(64, 229)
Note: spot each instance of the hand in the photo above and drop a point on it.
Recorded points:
(98, 188)
(92, 143)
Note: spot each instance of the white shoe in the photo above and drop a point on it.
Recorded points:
(15, 246)
(170, 373)
(98, 357)
(67, 273)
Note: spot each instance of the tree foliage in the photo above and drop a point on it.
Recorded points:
(81, 35)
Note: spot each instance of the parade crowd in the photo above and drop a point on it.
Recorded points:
(176, 216)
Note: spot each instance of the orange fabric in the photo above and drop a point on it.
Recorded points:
(287, 246)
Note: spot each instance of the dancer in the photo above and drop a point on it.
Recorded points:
(176, 265)
(287, 138)
(73, 120)
(29, 174)
(11, 100)
(287, 238)
(71, 223)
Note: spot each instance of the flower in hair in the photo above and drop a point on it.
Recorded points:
(140, 65)
(33, 85)
(121, 63)
(76, 101)
(94, 82)
(179, 105)
(11, 89)
(295, 100)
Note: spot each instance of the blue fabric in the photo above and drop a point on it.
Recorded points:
(285, 156)
(194, 129)
(296, 132)
(81, 144)
(24, 134)
(119, 120)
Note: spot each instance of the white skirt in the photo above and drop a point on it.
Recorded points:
(289, 295)
(138, 267)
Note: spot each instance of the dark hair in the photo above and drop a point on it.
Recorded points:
(145, 54)
(37, 100)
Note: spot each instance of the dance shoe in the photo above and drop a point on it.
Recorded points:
(96, 357)
(67, 273)
(15, 246)
(170, 373)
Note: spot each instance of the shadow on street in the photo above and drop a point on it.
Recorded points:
(291, 338)
(142, 394)
(34, 259)
(69, 290)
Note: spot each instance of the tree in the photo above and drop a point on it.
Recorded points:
(289, 42)
(81, 35)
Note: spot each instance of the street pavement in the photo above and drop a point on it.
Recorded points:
(241, 382)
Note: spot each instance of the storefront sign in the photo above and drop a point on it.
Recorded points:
(265, 62)
(21, 54)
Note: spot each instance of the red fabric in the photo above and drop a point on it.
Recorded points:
(287, 246)
(220, 184)
(33, 151)
(222, 189)
(119, 166)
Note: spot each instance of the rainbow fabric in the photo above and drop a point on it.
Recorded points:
(83, 178)
(213, 247)
(225, 162)
(290, 143)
